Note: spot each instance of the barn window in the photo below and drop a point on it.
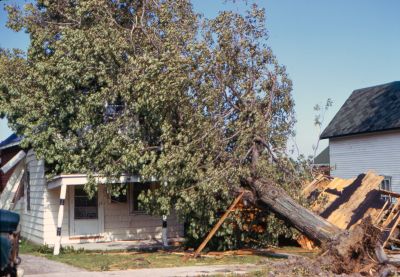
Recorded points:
(386, 184)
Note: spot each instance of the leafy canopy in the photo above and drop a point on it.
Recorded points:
(150, 87)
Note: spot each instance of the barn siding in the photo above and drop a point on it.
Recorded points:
(350, 156)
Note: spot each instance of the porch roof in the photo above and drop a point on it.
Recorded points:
(82, 179)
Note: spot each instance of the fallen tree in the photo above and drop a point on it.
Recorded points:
(150, 88)
(359, 249)
(307, 222)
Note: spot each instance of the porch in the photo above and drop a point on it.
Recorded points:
(131, 245)
(105, 222)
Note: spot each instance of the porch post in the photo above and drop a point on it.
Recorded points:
(57, 245)
(164, 233)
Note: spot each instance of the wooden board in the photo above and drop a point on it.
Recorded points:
(12, 186)
(330, 193)
(344, 202)
(344, 215)
(216, 226)
(388, 233)
(317, 183)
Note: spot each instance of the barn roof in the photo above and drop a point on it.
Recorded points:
(323, 157)
(367, 110)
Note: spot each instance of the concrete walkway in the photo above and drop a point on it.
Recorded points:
(151, 244)
(38, 266)
(163, 272)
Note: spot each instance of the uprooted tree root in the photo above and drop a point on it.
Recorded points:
(358, 250)
(355, 252)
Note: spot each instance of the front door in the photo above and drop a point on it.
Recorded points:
(84, 214)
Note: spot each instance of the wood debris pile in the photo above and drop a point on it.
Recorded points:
(346, 202)
(352, 220)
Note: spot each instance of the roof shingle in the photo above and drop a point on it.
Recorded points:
(367, 110)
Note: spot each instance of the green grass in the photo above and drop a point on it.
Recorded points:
(113, 260)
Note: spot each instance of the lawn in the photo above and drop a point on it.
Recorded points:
(121, 260)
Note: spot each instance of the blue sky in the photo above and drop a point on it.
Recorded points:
(329, 48)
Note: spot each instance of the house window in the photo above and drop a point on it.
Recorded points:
(28, 191)
(134, 191)
(386, 184)
(85, 207)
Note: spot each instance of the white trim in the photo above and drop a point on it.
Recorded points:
(13, 161)
(26, 180)
(100, 209)
(57, 244)
(327, 164)
(12, 186)
(100, 213)
(71, 210)
(10, 145)
(82, 179)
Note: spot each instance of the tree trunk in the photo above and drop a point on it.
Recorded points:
(347, 251)
(308, 223)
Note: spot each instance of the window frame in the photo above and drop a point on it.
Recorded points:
(82, 196)
(114, 201)
(131, 199)
(386, 185)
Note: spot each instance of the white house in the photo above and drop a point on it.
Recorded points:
(43, 204)
(365, 134)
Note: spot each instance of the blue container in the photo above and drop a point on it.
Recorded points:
(8, 221)
(5, 252)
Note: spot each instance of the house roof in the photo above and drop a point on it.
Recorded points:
(367, 110)
(10, 141)
(322, 158)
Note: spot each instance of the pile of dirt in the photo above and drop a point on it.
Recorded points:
(300, 266)
(352, 253)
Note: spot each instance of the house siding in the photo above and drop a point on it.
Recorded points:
(352, 155)
(32, 222)
(51, 207)
(120, 224)
(40, 223)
